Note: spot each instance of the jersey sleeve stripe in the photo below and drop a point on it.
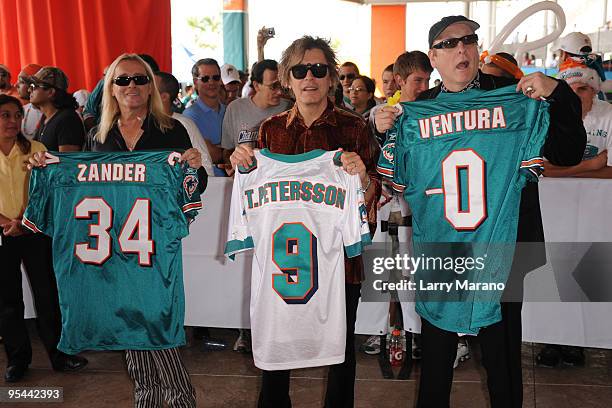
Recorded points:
(235, 246)
(30, 225)
(536, 161)
(398, 187)
(384, 171)
(197, 205)
(357, 248)
(51, 158)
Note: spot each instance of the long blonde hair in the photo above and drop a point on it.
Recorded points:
(110, 107)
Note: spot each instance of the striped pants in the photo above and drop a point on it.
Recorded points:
(159, 375)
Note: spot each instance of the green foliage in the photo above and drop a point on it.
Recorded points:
(206, 31)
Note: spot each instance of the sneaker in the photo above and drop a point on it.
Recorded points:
(572, 356)
(549, 356)
(463, 353)
(371, 346)
(243, 342)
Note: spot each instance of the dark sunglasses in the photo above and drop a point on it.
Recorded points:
(207, 78)
(301, 70)
(275, 86)
(3, 74)
(126, 80)
(453, 42)
(41, 86)
(347, 76)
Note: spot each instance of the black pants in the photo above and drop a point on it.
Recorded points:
(341, 378)
(501, 356)
(35, 252)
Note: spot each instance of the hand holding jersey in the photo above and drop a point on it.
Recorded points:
(192, 156)
(536, 85)
(117, 258)
(454, 53)
(296, 211)
(462, 163)
(351, 162)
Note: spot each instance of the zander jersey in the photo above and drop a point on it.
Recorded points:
(117, 220)
(462, 161)
(298, 212)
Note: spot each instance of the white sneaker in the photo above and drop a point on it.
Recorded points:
(463, 353)
(371, 346)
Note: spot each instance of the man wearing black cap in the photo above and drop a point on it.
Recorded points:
(454, 53)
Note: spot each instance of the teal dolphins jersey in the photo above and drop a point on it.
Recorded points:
(461, 161)
(117, 220)
(300, 213)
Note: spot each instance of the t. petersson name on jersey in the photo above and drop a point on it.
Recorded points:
(110, 172)
(279, 191)
(474, 119)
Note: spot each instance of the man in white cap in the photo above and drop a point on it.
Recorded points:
(597, 119)
(230, 76)
(573, 45)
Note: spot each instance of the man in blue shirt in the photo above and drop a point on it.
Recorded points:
(207, 111)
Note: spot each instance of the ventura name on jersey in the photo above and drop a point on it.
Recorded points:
(295, 190)
(473, 119)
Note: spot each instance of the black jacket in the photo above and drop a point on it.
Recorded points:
(152, 139)
(564, 146)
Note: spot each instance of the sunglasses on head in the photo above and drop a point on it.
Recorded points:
(301, 70)
(126, 80)
(347, 76)
(207, 78)
(453, 42)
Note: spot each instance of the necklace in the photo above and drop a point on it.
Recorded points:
(131, 141)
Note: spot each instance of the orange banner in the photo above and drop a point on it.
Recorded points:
(82, 37)
(388, 38)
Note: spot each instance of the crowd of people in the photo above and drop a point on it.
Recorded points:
(304, 102)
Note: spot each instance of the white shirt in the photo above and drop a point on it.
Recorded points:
(197, 141)
(31, 118)
(598, 126)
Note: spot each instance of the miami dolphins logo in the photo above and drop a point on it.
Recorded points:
(387, 152)
(190, 183)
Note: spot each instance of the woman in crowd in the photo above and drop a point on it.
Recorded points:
(61, 128)
(361, 93)
(34, 250)
(133, 119)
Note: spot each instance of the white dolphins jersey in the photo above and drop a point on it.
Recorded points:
(300, 213)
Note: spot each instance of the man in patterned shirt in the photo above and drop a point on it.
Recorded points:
(308, 68)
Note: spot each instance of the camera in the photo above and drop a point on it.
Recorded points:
(271, 32)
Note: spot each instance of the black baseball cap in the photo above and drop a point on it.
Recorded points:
(436, 29)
